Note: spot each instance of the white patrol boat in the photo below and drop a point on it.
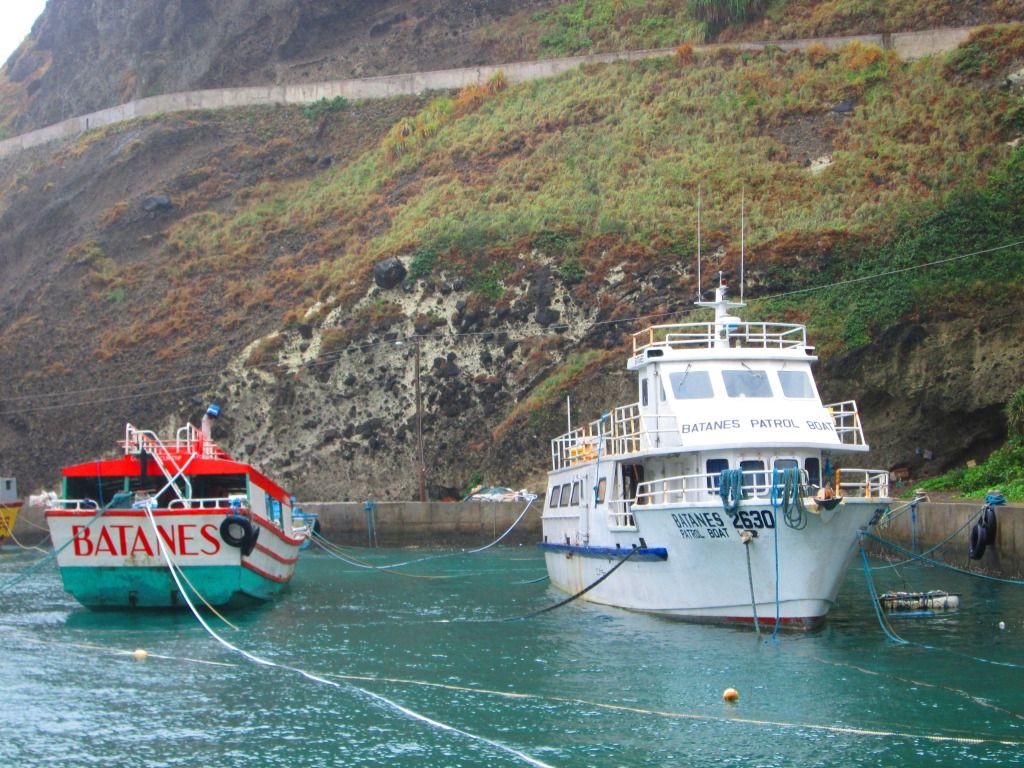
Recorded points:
(720, 486)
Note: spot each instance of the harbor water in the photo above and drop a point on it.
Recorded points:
(406, 671)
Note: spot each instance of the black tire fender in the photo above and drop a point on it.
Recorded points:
(979, 540)
(250, 543)
(988, 519)
(236, 531)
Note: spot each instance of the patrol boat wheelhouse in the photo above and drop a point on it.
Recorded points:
(720, 484)
(228, 530)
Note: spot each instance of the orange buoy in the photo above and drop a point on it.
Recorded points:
(731, 695)
(140, 653)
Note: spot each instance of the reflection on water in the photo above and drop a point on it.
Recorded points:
(605, 687)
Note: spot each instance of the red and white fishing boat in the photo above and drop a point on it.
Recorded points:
(121, 525)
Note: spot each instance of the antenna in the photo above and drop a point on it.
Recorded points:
(743, 233)
(698, 244)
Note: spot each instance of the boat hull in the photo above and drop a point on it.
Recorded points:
(705, 577)
(114, 559)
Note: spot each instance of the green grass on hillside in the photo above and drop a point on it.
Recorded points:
(599, 168)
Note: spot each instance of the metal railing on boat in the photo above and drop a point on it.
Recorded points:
(706, 336)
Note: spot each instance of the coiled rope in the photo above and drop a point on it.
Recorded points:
(730, 488)
(788, 497)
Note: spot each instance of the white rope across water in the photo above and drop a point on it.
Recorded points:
(412, 714)
(668, 714)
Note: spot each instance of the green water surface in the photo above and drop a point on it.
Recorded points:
(602, 687)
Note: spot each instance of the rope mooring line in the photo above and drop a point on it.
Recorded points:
(339, 554)
(343, 554)
(892, 635)
(579, 594)
(33, 567)
(412, 714)
(329, 677)
(928, 551)
(937, 686)
(937, 563)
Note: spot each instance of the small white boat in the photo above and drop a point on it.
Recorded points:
(719, 484)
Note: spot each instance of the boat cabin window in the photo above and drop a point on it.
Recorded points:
(602, 487)
(553, 501)
(661, 391)
(796, 384)
(643, 391)
(563, 500)
(813, 467)
(786, 464)
(575, 500)
(714, 468)
(754, 475)
(747, 383)
(691, 385)
(7, 485)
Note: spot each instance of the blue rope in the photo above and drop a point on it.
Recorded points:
(730, 488)
(44, 560)
(875, 603)
(778, 621)
(891, 634)
(937, 563)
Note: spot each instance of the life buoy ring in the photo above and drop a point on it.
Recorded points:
(236, 530)
(979, 540)
(988, 519)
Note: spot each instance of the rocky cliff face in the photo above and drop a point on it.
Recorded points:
(85, 55)
(932, 393)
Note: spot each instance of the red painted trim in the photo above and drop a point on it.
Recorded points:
(16, 504)
(130, 466)
(265, 575)
(111, 513)
(275, 556)
(269, 526)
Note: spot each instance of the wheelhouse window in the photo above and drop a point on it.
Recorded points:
(691, 385)
(754, 475)
(564, 498)
(643, 391)
(555, 493)
(747, 383)
(796, 384)
(575, 500)
(714, 469)
(813, 467)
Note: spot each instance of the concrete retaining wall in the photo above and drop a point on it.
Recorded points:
(936, 521)
(398, 524)
(908, 45)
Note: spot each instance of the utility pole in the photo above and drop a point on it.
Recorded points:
(421, 468)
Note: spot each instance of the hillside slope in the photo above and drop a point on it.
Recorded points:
(229, 256)
(84, 55)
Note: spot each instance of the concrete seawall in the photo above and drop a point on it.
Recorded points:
(908, 45)
(935, 521)
(464, 524)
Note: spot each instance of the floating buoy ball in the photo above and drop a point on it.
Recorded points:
(140, 653)
(731, 695)
(1002, 625)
